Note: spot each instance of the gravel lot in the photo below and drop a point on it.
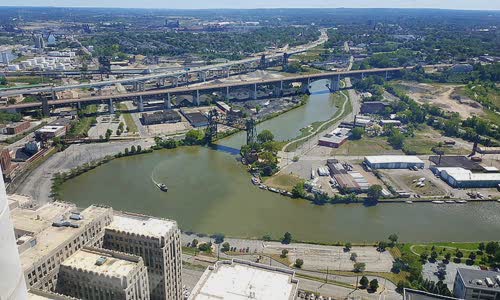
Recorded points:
(38, 183)
(318, 257)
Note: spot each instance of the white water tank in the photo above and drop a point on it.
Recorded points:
(12, 284)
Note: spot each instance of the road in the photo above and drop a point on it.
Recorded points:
(192, 89)
(11, 92)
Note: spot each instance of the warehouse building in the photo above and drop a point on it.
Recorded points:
(373, 107)
(240, 279)
(93, 273)
(476, 284)
(18, 127)
(336, 138)
(49, 132)
(393, 162)
(161, 117)
(463, 178)
(196, 119)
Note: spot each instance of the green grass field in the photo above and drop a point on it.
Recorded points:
(129, 121)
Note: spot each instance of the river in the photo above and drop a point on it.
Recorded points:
(210, 191)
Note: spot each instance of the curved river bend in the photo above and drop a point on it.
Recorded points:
(209, 191)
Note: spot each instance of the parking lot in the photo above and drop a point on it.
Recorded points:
(429, 270)
(319, 257)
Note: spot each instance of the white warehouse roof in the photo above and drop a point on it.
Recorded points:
(460, 174)
(387, 159)
(245, 280)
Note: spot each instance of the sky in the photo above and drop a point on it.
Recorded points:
(202, 4)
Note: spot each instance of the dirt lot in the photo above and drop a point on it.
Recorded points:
(318, 257)
(402, 179)
(441, 95)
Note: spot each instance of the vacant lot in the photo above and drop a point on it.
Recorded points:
(318, 257)
(403, 179)
(441, 96)
(366, 146)
(283, 181)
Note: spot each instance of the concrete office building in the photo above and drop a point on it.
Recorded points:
(44, 247)
(477, 284)
(393, 162)
(240, 279)
(103, 274)
(157, 241)
(12, 284)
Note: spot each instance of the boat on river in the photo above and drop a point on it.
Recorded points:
(409, 202)
(438, 202)
(461, 201)
(450, 201)
(163, 187)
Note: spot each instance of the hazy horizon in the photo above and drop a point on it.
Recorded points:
(256, 4)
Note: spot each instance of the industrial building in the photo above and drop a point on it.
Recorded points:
(12, 283)
(240, 279)
(346, 179)
(196, 119)
(373, 107)
(18, 127)
(336, 138)
(93, 273)
(49, 132)
(476, 284)
(462, 178)
(393, 162)
(157, 241)
(161, 117)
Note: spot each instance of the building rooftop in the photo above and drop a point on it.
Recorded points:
(379, 159)
(50, 239)
(245, 280)
(142, 225)
(461, 174)
(36, 220)
(477, 279)
(102, 262)
(409, 294)
(50, 129)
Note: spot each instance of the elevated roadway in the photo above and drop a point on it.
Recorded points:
(334, 76)
(177, 73)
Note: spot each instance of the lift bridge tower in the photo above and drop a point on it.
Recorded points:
(214, 118)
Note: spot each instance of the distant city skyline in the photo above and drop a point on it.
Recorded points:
(195, 4)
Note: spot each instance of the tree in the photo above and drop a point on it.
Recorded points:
(225, 247)
(347, 247)
(266, 238)
(375, 192)
(354, 256)
(299, 190)
(139, 149)
(194, 137)
(284, 253)
(363, 282)
(265, 136)
(481, 247)
(298, 263)
(205, 247)
(126, 151)
(434, 256)
(357, 133)
(3, 80)
(109, 132)
(287, 238)
(132, 149)
(374, 285)
(359, 267)
(447, 256)
(396, 139)
(424, 256)
(459, 254)
(491, 248)
(218, 238)
(381, 246)
(393, 238)
(194, 243)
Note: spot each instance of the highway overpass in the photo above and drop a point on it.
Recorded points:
(334, 78)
